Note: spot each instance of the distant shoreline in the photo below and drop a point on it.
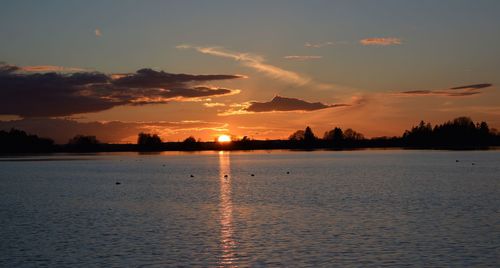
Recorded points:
(123, 150)
(459, 134)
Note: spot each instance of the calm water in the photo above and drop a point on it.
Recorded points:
(358, 208)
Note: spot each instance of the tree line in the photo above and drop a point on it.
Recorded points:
(459, 133)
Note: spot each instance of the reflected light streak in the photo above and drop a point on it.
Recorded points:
(227, 243)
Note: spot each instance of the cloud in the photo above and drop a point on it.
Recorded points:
(97, 32)
(48, 94)
(6, 69)
(253, 61)
(213, 104)
(61, 130)
(279, 104)
(381, 41)
(285, 104)
(158, 79)
(460, 91)
(318, 45)
(302, 57)
(50, 68)
(473, 87)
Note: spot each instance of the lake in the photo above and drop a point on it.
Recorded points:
(263, 208)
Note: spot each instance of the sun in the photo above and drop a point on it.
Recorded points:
(224, 138)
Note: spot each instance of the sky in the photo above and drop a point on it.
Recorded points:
(261, 69)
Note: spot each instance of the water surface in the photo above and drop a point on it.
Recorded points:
(351, 208)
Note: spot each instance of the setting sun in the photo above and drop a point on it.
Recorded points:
(224, 138)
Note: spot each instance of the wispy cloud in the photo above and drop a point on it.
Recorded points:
(325, 44)
(302, 57)
(255, 62)
(97, 32)
(461, 91)
(318, 45)
(473, 87)
(51, 68)
(381, 41)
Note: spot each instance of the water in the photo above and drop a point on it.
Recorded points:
(357, 208)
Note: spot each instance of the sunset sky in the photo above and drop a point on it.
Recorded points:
(257, 68)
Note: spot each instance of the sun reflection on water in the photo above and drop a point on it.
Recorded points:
(227, 243)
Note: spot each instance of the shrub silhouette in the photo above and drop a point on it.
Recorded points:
(297, 135)
(147, 141)
(351, 135)
(190, 143)
(19, 141)
(83, 143)
(189, 140)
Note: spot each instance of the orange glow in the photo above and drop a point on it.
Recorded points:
(228, 244)
(224, 138)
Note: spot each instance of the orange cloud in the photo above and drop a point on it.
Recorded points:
(50, 68)
(213, 104)
(381, 41)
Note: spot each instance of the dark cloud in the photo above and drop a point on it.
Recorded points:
(288, 104)
(418, 92)
(159, 79)
(461, 94)
(5, 68)
(59, 94)
(475, 86)
(461, 91)
(197, 92)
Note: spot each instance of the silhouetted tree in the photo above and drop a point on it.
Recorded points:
(148, 141)
(189, 140)
(303, 138)
(303, 135)
(19, 141)
(335, 134)
(420, 135)
(484, 129)
(352, 135)
(81, 140)
(309, 135)
(190, 143)
(83, 143)
(494, 132)
(297, 135)
(458, 133)
(334, 137)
